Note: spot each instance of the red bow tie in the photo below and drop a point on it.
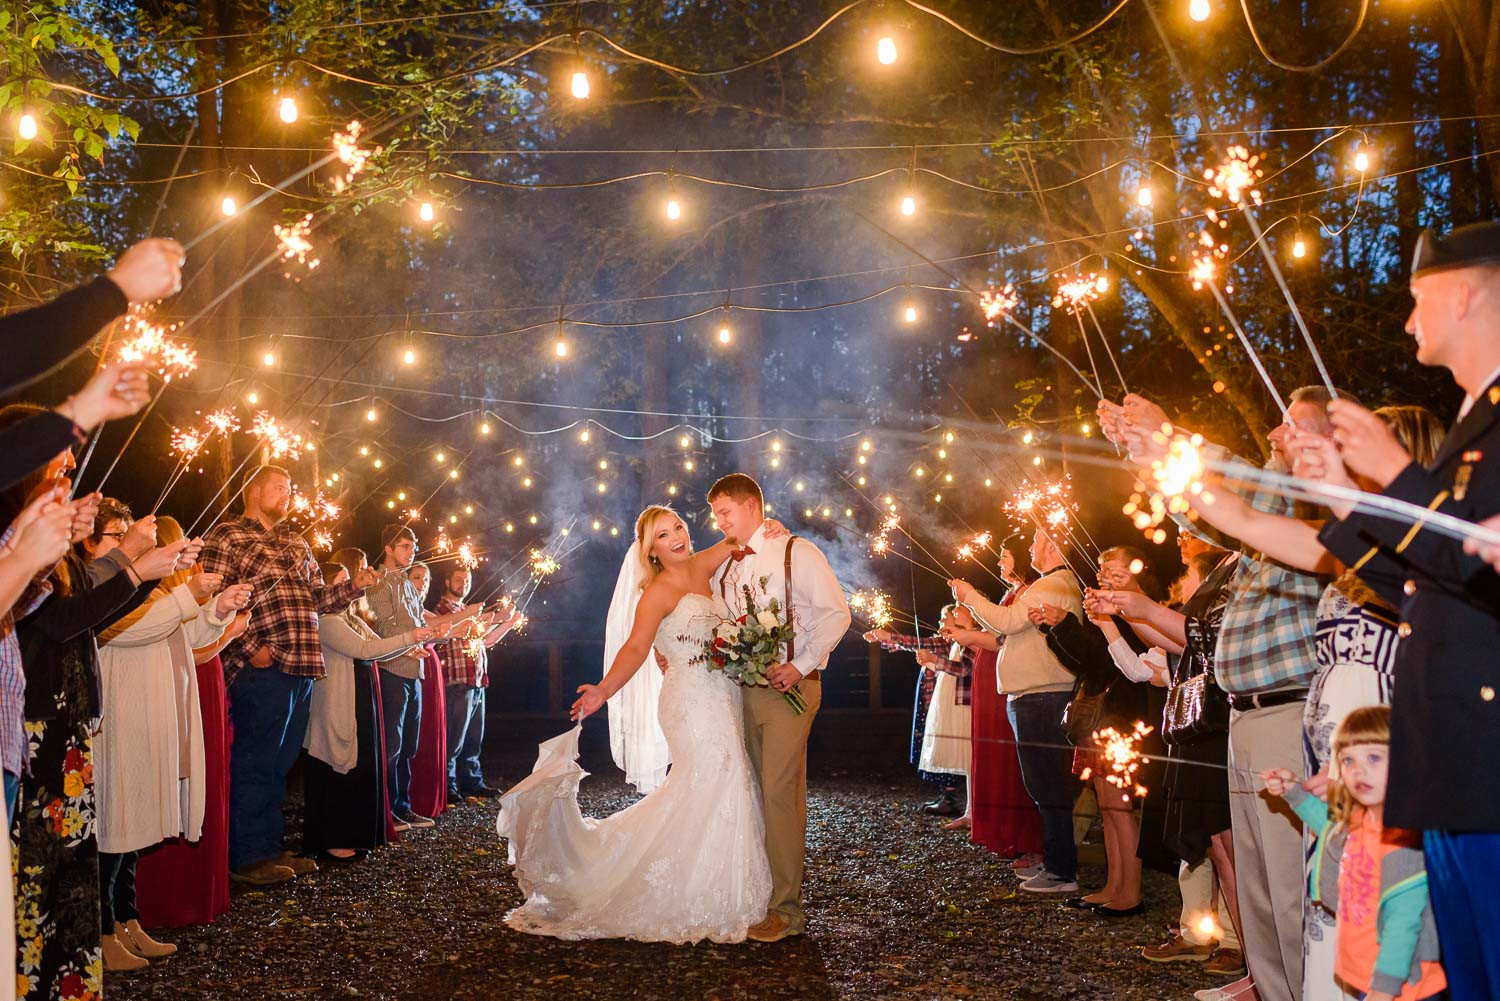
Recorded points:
(738, 554)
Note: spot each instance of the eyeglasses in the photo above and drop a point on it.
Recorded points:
(112, 535)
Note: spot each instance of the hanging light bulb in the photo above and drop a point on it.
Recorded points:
(484, 428)
(580, 85)
(560, 348)
(885, 50)
(229, 206)
(1299, 246)
(725, 334)
(908, 204)
(1199, 10)
(409, 357)
(425, 212)
(1361, 159)
(252, 397)
(287, 109)
(1143, 196)
(26, 126)
(674, 208)
(269, 359)
(1102, 283)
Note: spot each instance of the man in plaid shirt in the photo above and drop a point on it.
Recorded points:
(465, 664)
(271, 669)
(1265, 661)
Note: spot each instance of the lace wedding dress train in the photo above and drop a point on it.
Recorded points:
(685, 863)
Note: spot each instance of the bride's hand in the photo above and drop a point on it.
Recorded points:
(775, 529)
(590, 698)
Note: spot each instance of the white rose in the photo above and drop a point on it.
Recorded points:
(727, 631)
(766, 620)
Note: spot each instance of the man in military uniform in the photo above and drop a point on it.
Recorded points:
(1445, 725)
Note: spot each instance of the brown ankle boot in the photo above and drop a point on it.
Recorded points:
(117, 958)
(134, 938)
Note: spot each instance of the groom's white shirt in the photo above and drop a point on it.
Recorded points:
(819, 611)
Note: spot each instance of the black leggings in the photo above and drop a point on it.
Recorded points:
(117, 890)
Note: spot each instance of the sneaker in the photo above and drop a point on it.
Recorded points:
(399, 825)
(1177, 950)
(1046, 882)
(1226, 963)
(417, 820)
(1028, 872)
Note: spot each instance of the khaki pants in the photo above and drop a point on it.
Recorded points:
(1268, 857)
(776, 740)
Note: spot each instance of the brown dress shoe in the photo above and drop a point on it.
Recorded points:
(1225, 963)
(773, 929)
(1177, 950)
(299, 865)
(266, 873)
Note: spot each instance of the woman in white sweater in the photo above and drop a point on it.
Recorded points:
(148, 755)
(344, 812)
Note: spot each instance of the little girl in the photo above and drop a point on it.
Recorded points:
(1373, 878)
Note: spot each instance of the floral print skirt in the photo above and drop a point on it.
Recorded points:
(56, 860)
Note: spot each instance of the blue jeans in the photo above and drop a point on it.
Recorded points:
(1048, 774)
(269, 713)
(1462, 869)
(465, 734)
(401, 703)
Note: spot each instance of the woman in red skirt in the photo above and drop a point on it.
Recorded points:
(1002, 817)
(429, 769)
(187, 882)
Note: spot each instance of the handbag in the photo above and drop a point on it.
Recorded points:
(1081, 718)
(1196, 708)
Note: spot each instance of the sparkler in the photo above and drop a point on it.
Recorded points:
(292, 242)
(872, 606)
(346, 147)
(1174, 478)
(998, 302)
(1075, 292)
(148, 343)
(1049, 505)
(1235, 177)
(542, 563)
(279, 440)
(1121, 752)
(466, 556)
(978, 542)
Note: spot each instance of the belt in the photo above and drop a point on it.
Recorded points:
(814, 675)
(1245, 703)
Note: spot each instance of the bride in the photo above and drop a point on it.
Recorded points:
(688, 861)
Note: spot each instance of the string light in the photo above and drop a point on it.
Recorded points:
(425, 212)
(1361, 159)
(725, 333)
(583, 436)
(268, 359)
(26, 126)
(885, 50)
(484, 428)
(229, 206)
(287, 109)
(1299, 246)
(674, 206)
(910, 311)
(908, 204)
(560, 348)
(684, 441)
(370, 415)
(409, 357)
(1199, 10)
(1143, 196)
(579, 85)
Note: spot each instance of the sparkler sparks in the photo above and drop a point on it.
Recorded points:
(880, 542)
(873, 606)
(1075, 293)
(1174, 477)
(1122, 753)
(188, 442)
(222, 422)
(350, 154)
(466, 556)
(543, 564)
(292, 242)
(1050, 504)
(321, 540)
(280, 441)
(1234, 180)
(969, 550)
(996, 302)
(147, 343)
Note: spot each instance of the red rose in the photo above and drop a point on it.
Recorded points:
(743, 619)
(719, 643)
(718, 661)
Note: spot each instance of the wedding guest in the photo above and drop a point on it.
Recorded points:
(1002, 816)
(148, 755)
(397, 610)
(344, 794)
(1039, 689)
(1357, 640)
(53, 834)
(182, 882)
(1264, 663)
(936, 648)
(946, 735)
(1103, 698)
(465, 668)
(271, 669)
(114, 391)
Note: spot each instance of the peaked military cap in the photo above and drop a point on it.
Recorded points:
(1464, 247)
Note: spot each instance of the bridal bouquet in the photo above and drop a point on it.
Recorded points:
(746, 647)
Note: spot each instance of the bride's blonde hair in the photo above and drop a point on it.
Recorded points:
(645, 526)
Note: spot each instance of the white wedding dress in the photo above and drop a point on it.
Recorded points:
(685, 863)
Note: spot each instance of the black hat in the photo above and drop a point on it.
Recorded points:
(1464, 247)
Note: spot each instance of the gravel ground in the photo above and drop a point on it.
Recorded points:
(897, 908)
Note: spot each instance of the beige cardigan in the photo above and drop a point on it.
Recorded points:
(331, 733)
(1026, 666)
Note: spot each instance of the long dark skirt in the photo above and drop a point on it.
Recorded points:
(1152, 849)
(1197, 797)
(348, 811)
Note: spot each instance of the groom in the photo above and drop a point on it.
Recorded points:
(775, 736)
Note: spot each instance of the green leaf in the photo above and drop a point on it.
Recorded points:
(112, 123)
